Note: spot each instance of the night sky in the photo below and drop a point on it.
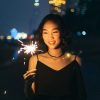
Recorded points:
(21, 14)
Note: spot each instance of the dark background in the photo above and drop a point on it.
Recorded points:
(21, 14)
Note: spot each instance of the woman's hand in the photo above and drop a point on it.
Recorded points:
(30, 73)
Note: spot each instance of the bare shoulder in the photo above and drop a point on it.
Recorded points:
(74, 57)
(32, 62)
(78, 59)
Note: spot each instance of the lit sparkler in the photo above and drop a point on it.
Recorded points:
(32, 48)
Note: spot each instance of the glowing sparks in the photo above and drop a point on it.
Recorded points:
(32, 48)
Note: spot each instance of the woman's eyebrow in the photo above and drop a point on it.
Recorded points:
(53, 29)
(44, 29)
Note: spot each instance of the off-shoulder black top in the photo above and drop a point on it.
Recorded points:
(65, 84)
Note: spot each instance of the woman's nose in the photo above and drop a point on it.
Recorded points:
(51, 35)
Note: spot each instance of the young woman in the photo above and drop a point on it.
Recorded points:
(52, 74)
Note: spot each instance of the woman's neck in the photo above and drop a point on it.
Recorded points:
(55, 53)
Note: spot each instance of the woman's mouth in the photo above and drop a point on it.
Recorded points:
(51, 42)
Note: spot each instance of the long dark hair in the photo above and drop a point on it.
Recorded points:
(65, 36)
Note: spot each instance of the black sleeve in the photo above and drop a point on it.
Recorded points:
(81, 91)
(27, 87)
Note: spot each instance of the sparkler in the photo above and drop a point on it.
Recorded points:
(32, 48)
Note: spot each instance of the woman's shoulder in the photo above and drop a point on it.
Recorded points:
(33, 57)
(73, 57)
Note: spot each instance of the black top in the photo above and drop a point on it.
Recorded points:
(65, 84)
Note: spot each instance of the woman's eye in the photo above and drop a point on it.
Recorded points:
(44, 32)
(56, 32)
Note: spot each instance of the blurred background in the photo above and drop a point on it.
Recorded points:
(20, 18)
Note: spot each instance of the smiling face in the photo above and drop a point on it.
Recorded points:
(51, 35)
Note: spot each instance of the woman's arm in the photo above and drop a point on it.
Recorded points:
(29, 77)
(81, 91)
(78, 59)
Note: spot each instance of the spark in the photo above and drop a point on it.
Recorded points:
(32, 48)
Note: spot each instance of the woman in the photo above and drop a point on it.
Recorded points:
(52, 75)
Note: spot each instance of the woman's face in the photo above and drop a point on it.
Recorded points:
(51, 35)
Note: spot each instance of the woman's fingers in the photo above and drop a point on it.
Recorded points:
(29, 73)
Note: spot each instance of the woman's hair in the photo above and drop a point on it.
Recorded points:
(65, 36)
